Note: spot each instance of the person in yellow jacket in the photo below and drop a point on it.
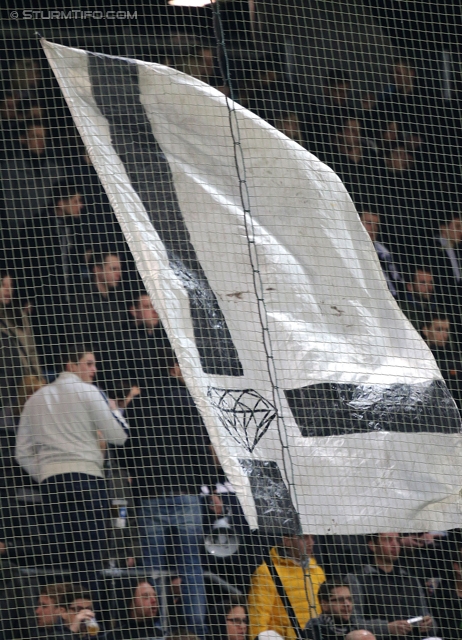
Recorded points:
(301, 580)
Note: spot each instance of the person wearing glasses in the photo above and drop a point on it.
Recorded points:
(79, 616)
(334, 623)
(76, 617)
(228, 619)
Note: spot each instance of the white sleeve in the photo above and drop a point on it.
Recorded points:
(25, 447)
(111, 423)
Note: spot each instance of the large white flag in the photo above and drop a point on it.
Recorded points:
(324, 405)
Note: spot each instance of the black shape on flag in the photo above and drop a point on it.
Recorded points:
(115, 87)
(246, 415)
(332, 409)
(275, 511)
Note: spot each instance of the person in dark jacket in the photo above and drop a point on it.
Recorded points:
(66, 613)
(50, 255)
(138, 611)
(446, 267)
(437, 331)
(169, 461)
(446, 601)
(147, 343)
(385, 597)
(356, 164)
(419, 300)
(50, 607)
(99, 314)
(334, 622)
(371, 222)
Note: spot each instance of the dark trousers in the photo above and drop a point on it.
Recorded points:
(76, 510)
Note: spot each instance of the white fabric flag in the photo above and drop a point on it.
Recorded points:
(324, 405)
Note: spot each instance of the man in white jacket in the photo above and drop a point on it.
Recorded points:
(60, 442)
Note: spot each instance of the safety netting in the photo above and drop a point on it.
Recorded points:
(230, 320)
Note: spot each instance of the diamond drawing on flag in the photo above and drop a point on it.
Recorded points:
(245, 414)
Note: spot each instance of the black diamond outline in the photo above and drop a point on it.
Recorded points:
(229, 414)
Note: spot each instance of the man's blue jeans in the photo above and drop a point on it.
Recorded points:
(171, 532)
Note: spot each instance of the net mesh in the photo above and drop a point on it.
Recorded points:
(140, 499)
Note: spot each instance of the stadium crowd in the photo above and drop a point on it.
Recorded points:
(101, 526)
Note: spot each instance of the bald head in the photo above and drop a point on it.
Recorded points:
(360, 634)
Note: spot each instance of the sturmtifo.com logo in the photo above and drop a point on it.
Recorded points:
(72, 14)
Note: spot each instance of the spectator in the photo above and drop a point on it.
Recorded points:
(228, 619)
(10, 359)
(267, 87)
(139, 612)
(28, 183)
(385, 597)
(330, 111)
(99, 313)
(169, 462)
(446, 601)
(446, 267)
(289, 123)
(19, 530)
(403, 107)
(103, 227)
(371, 222)
(26, 76)
(51, 255)
(77, 617)
(423, 556)
(356, 164)
(108, 272)
(101, 300)
(419, 301)
(64, 613)
(18, 355)
(408, 198)
(182, 634)
(341, 554)
(436, 331)
(360, 634)
(301, 578)
(9, 112)
(367, 113)
(64, 240)
(336, 605)
(147, 344)
(196, 64)
(50, 606)
(30, 109)
(9, 107)
(60, 443)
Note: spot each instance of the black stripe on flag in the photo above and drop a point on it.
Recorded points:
(275, 511)
(115, 87)
(332, 409)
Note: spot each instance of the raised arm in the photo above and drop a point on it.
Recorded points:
(107, 418)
